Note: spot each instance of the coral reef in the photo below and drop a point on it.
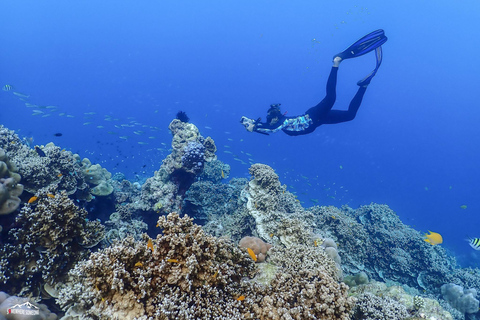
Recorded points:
(257, 245)
(10, 188)
(185, 273)
(97, 177)
(373, 240)
(217, 206)
(215, 171)
(165, 191)
(376, 301)
(17, 308)
(464, 300)
(50, 235)
(278, 216)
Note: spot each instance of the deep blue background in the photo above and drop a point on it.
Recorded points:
(414, 143)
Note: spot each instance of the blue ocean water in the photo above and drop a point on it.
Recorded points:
(111, 75)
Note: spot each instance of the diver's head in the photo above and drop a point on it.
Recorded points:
(274, 114)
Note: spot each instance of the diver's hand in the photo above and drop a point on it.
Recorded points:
(248, 123)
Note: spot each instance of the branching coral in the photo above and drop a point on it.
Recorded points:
(186, 274)
(50, 236)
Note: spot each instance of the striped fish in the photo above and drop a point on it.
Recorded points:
(474, 243)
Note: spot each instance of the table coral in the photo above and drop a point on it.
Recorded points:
(49, 237)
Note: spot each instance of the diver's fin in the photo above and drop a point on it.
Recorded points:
(366, 81)
(364, 45)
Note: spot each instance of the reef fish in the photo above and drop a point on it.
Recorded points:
(474, 243)
(32, 199)
(40, 151)
(150, 244)
(252, 254)
(241, 298)
(463, 206)
(433, 238)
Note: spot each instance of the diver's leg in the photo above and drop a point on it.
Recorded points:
(320, 110)
(337, 116)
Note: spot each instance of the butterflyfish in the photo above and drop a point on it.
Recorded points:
(474, 243)
(150, 244)
(252, 254)
(433, 238)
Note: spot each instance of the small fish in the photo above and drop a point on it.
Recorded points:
(7, 87)
(89, 113)
(150, 244)
(271, 235)
(433, 238)
(138, 264)
(215, 274)
(70, 116)
(59, 175)
(341, 167)
(172, 260)
(87, 123)
(142, 143)
(100, 127)
(252, 254)
(223, 175)
(315, 243)
(474, 243)
(50, 195)
(32, 199)
(21, 95)
(463, 206)
(40, 151)
(58, 134)
(124, 137)
(207, 127)
(241, 298)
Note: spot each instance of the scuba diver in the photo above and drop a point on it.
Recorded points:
(322, 113)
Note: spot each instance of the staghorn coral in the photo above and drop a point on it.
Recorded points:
(187, 274)
(49, 237)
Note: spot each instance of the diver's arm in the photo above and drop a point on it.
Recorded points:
(259, 127)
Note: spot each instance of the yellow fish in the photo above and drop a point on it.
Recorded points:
(241, 298)
(252, 254)
(150, 244)
(223, 175)
(139, 264)
(32, 199)
(172, 260)
(433, 238)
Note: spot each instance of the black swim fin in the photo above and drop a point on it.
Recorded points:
(364, 45)
(378, 55)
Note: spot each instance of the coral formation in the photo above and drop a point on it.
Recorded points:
(97, 177)
(10, 188)
(165, 191)
(257, 245)
(377, 301)
(50, 236)
(274, 209)
(17, 308)
(464, 300)
(188, 274)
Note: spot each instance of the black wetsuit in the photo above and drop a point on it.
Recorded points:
(320, 114)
